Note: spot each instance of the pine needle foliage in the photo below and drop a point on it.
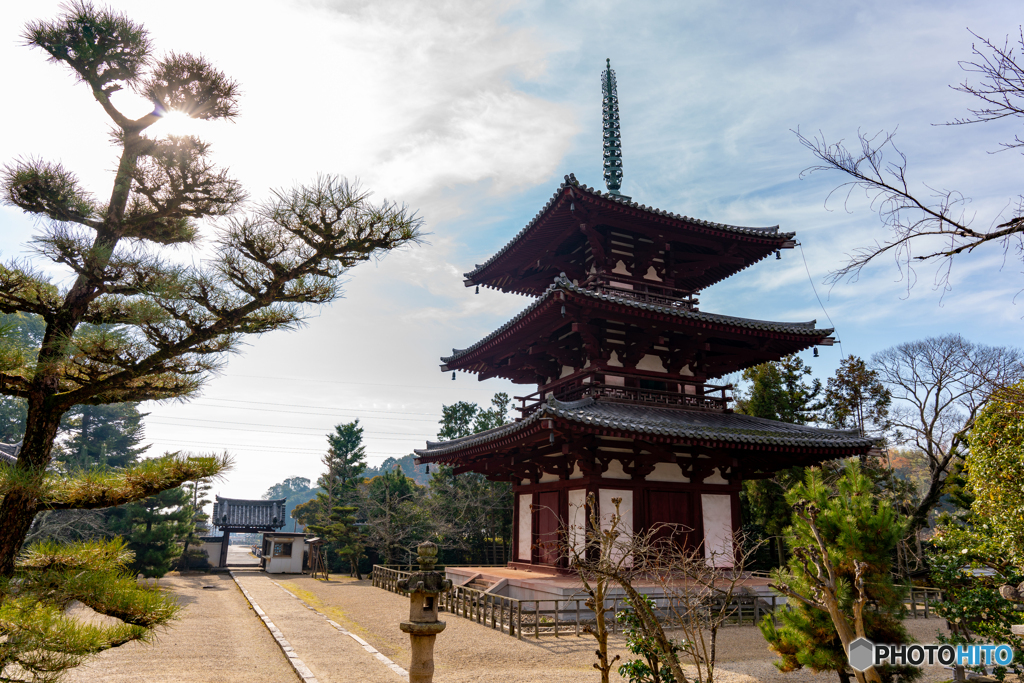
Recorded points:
(42, 639)
(124, 322)
(843, 540)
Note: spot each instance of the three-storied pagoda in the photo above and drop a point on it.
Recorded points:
(622, 358)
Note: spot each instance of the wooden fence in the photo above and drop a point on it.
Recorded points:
(552, 617)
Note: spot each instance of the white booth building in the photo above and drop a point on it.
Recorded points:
(283, 552)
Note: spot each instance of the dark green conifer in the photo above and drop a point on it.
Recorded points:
(855, 528)
(155, 529)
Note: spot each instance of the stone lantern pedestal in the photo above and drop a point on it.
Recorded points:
(423, 626)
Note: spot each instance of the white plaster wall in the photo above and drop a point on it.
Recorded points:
(566, 371)
(667, 471)
(715, 477)
(717, 516)
(577, 519)
(546, 477)
(685, 370)
(576, 472)
(615, 471)
(651, 363)
(614, 361)
(652, 274)
(213, 553)
(287, 565)
(620, 268)
(625, 527)
(525, 527)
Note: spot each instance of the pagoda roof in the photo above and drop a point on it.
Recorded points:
(694, 428)
(799, 335)
(556, 222)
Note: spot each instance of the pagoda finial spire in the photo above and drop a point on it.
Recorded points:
(612, 139)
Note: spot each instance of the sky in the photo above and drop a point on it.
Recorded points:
(471, 113)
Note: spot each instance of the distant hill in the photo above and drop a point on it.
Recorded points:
(415, 472)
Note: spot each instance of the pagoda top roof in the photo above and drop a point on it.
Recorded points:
(699, 428)
(547, 231)
(806, 330)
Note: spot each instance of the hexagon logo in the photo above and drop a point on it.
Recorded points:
(862, 654)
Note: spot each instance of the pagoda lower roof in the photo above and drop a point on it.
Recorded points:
(793, 336)
(680, 426)
(559, 218)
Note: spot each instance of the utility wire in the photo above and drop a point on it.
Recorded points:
(815, 290)
(191, 420)
(365, 384)
(334, 414)
(411, 437)
(262, 447)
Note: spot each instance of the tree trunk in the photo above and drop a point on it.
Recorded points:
(20, 504)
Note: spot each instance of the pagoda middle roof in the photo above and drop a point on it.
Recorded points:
(554, 222)
(806, 333)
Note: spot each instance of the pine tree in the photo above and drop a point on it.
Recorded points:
(155, 529)
(345, 461)
(103, 436)
(856, 399)
(779, 390)
(343, 537)
(472, 513)
(123, 323)
(196, 493)
(826, 584)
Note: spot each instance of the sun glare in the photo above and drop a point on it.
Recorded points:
(175, 123)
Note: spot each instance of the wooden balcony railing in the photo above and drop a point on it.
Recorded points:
(644, 291)
(701, 400)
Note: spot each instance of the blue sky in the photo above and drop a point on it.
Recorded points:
(472, 112)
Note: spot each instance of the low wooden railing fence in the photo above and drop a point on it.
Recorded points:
(551, 617)
(547, 617)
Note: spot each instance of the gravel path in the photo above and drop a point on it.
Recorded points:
(333, 657)
(467, 651)
(217, 639)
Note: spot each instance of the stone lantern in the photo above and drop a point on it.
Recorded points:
(423, 626)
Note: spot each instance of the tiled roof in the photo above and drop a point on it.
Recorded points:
(676, 423)
(570, 181)
(248, 514)
(563, 284)
(9, 452)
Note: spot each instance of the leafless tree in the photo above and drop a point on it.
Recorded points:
(929, 226)
(67, 526)
(700, 585)
(938, 386)
(695, 586)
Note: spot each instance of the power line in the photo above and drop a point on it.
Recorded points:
(815, 290)
(304, 412)
(297, 405)
(261, 447)
(365, 384)
(411, 437)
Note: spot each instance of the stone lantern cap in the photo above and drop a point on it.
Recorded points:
(426, 581)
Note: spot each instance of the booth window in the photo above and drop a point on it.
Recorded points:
(282, 550)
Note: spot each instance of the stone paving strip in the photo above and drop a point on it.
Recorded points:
(365, 645)
(314, 641)
(300, 667)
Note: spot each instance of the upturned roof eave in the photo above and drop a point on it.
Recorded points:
(805, 329)
(828, 441)
(770, 233)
